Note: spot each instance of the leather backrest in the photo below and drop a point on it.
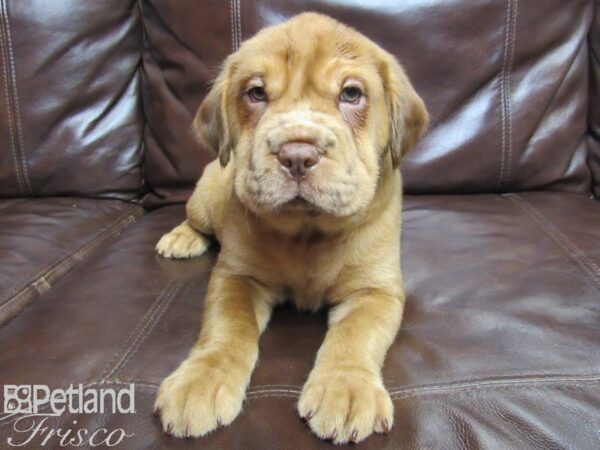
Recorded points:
(71, 119)
(505, 81)
(594, 118)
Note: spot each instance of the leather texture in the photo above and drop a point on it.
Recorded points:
(507, 91)
(500, 248)
(71, 121)
(497, 348)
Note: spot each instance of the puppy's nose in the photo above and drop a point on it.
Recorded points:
(298, 157)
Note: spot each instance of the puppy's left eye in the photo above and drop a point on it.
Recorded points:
(351, 94)
(257, 94)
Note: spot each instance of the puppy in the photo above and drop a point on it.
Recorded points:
(309, 120)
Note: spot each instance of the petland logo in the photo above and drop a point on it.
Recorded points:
(33, 405)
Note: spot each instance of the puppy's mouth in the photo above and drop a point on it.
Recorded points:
(299, 204)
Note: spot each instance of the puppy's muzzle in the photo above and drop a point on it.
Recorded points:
(297, 158)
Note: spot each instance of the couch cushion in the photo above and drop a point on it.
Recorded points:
(42, 239)
(505, 81)
(498, 346)
(70, 97)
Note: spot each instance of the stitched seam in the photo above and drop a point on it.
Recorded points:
(511, 57)
(149, 327)
(51, 271)
(541, 380)
(231, 14)
(574, 252)
(505, 108)
(239, 23)
(16, 107)
(130, 341)
(140, 71)
(480, 385)
(5, 74)
(502, 108)
(152, 316)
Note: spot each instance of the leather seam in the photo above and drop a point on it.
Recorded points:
(505, 99)
(232, 26)
(589, 267)
(144, 327)
(54, 271)
(9, 115)
(239, 24)
(453, 386)
(15, 103)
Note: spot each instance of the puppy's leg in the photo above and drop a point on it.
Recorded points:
(183, 241)
(344, 398)
(207, 390)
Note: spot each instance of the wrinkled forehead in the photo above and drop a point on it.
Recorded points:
(285, 58)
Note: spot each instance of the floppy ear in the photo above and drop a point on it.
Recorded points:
(407, 113)
(211, 125)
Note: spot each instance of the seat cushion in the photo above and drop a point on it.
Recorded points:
(42, 239)
(498, 347)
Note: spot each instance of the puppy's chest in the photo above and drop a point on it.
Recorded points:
(306, 272)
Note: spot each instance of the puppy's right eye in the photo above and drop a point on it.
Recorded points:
(257, 94)
(351, 94)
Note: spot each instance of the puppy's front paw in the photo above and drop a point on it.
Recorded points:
(345, 405)
(182, 242)
(198, 398)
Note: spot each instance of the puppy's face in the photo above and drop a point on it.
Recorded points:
(311, 112)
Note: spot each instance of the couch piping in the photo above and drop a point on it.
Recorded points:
(589, 267)
(505, 99)
(49, 274)
(12, 103)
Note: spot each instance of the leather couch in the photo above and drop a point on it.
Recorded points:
(500, 344)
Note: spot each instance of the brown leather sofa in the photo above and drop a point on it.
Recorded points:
(500, 345)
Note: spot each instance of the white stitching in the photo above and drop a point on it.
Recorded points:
(136, 339)
(505, 108)
(508, 89)
(16, 101)
(16, 107)
(588, 266)
(239, 23)
(231, 25)
(273, 391)
(11, 130)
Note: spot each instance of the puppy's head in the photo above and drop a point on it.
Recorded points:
(310, 112)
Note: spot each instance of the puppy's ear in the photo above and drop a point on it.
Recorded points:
(211, 126)
(407, 113)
